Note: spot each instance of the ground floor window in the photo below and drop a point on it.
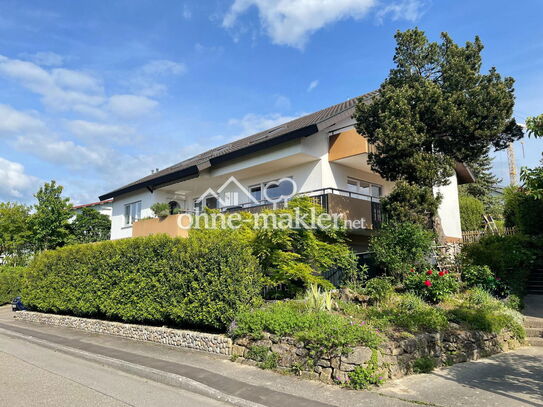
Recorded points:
(132, 212)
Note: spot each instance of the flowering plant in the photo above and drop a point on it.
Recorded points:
(432, 285)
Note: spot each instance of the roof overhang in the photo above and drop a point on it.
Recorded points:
(194, 170)
(463, 174)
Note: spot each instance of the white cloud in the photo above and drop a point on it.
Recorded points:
(187, 14)
(253, 123)
(312, 85)
(100, 132)
(14, 122)
(164, 66)
(147, 80)
(410, 10)
(282, 102)
(290, 22)
(15, 182)
(45, 58)
(62, 152)
(131, 106)
(61, 89)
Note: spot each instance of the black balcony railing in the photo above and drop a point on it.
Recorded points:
(320, 197)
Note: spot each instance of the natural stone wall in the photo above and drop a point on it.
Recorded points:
(175, 337)
(395, 358)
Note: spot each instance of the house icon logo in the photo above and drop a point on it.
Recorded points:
(233, 193)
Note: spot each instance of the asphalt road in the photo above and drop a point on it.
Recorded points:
(31, 375)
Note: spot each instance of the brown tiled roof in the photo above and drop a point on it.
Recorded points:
(92, 204)
(300, 127)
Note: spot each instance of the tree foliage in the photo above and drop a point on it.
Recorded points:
(535, 126)
(471, 212)
(50, 226)
(15, 232)
(434, 109)
(401, 246)
(90, 226)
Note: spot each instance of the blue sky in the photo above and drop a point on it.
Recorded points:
(97, 94)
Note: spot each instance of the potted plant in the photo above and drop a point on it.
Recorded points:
(160, 209)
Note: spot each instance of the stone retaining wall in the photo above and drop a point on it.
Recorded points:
(395, 359)
(219, 344)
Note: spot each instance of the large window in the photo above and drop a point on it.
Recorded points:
(274, 189)
(364, 187)
(132, 212)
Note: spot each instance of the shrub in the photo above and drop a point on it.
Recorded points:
(413, 314)
(378, 289)
(157, 279)
(11, 283)
(511, 258)
(424, 365)
(481, 311)
(363, 377)
(471, 212)
(523, 210)
(401, 246)
(264, 356)
(160, 209)
(432, 285)
(480, 276)
(322, 331)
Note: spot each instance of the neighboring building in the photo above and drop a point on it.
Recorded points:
(321, 152)
(105, 207)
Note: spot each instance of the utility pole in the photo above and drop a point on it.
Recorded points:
(512, 164)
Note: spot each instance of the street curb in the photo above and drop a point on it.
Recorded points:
(159, 376)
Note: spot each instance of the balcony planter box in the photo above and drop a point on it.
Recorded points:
(163, 225)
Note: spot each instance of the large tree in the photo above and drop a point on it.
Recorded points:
(50, 222)
(15, 233)
(535, 126)
(434, 109)
(90, 226)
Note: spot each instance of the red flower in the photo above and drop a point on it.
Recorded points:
(498, 279)
(429, 272)
(446, 271)
(412, 270)
(427, 283)
(441, 273)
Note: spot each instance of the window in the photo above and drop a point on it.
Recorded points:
(132, 212)
(363, 187)
(256, 192)
(210, 202)
(274, 189)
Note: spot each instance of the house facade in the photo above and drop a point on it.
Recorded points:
(321, 154)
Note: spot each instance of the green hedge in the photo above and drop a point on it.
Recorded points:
(203, 281)
(11, 282)
(511, 258)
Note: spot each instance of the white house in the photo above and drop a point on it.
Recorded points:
(105, 207)
(321, 152)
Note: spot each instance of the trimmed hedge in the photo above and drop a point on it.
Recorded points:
(203, 281)
(11, 282)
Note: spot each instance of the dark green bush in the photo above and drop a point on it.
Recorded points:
(511, 258)
(524, 211)
(400, 246)
(200, 281)
(11, 283)
(378, 289)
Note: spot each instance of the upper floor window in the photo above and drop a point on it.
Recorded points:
(132, 212)
(274, 189)
(364, 187)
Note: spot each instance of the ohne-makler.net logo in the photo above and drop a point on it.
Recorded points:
(277, 193)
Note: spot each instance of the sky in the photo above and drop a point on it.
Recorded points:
(98, 94)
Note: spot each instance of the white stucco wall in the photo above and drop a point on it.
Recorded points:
(449, 210)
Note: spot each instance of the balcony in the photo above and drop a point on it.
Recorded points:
(351, 206)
